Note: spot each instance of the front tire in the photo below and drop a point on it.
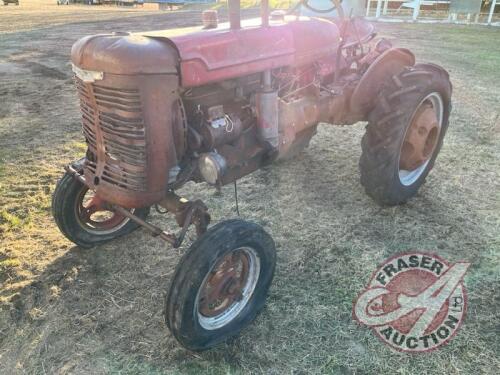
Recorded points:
(405, 133)
(85, 224)
(220, 284)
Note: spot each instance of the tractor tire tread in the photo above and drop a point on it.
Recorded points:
(193, 267)
(63, 200)
(386, 129)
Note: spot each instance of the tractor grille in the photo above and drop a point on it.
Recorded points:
(112, 120)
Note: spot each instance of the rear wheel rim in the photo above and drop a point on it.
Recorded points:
(94, 217)
(421, 139)
(227, 288)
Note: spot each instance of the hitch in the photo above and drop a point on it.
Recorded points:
(186, 213)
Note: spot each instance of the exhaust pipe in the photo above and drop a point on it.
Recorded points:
(264, 12)
(234, 14)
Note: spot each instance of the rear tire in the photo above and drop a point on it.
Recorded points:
(220, 284)
(65, 201)
(387, 132)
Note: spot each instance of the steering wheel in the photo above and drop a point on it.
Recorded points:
(335, 3)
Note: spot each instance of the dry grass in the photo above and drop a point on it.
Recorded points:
(31, 14)
(67, 310)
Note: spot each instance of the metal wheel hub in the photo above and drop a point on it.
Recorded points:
(94, 216)
(227, 288)
(421, 138)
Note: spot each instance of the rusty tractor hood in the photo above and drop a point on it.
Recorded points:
(205, 56)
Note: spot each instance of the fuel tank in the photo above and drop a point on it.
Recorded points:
(223, 53)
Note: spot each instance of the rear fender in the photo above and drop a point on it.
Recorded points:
(388, 64)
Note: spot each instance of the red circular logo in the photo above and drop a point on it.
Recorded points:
(415, 302)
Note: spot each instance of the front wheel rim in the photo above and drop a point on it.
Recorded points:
(421, 139)
(92, 215)
(227, 288)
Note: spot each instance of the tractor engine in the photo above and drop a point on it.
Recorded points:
(161, 110)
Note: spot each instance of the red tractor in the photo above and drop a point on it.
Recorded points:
(215, 105)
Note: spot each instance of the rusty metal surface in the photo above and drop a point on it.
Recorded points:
(306, 112)
(389, 63)
(135, 124)
(131, 116)
(186, 212)
(93, 212)
(215, 55)
(224, 285)
(124, 53)
(357, 30)
(421, 138)
(243, 157)
(131, 127)
(214, 136)
(155, 231)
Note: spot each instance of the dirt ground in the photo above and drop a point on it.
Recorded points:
(68, 310)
